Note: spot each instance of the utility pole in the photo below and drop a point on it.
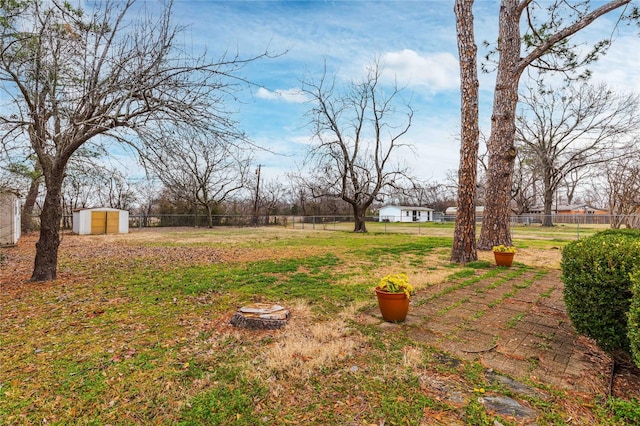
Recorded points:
(255, 205)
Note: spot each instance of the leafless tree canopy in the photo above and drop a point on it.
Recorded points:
(563, 132)
(356, 132)
(93, 183)
(622, 187)
(115, 71)
(436, 195)
(201, 168)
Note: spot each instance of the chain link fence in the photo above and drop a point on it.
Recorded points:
(576, 225)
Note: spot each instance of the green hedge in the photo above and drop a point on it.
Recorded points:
(634, 318)
(597, 285)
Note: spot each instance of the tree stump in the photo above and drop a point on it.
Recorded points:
(261, 316)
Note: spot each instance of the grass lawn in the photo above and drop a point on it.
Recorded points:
(136, 331)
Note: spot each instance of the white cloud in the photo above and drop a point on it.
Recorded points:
(289, 95)
(620, 67)
(438, 71)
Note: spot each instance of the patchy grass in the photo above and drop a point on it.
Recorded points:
(136, 331)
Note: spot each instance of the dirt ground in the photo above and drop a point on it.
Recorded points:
(144, 245)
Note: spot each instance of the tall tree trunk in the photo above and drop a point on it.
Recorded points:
(547, 220)
(501, 145)
(46, 261)
(27, 223)
(464, 237)
(359, 216)
(209, 215)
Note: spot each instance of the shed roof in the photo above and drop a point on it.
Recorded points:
(454, 210)
(407, 208)
(110, 209)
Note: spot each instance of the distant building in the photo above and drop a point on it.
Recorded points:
(452, 211)
(569, 209)
(405, 214)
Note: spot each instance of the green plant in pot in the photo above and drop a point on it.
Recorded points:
(394, 292)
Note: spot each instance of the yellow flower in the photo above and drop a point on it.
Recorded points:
(396, 283)
(504, 249)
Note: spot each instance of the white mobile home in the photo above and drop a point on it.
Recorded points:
(10, 211)
(100, 220)
(452, 211)
(405, 214)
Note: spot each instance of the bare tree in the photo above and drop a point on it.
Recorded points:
(272, 196)
(464, 236)
(573, 180)
(101, 185)
(79, 189)
(200, 168)
(147, 195)
(548, 47)
(622, 187)
(27, 222)
(73, 76)
(86, 179)
(356, 133)
(297, 196)
(436, 195)
(523, 187)
(118, 192)
(564, 132)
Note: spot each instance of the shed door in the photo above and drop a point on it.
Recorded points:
(105, 222)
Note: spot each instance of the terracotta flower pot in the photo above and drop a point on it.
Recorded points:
(503, 259)
(393, 306)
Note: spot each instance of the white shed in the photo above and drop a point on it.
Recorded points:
(10, 215)
(100, 220)
(405, 214)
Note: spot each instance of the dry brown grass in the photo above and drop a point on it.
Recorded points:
(305, 346)
(412, 357)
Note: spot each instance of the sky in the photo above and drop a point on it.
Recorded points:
(415, 42)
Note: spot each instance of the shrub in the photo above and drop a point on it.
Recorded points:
(625, 412)
(634, 318)
(597, 285)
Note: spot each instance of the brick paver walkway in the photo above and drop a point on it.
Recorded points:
(512, 320)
